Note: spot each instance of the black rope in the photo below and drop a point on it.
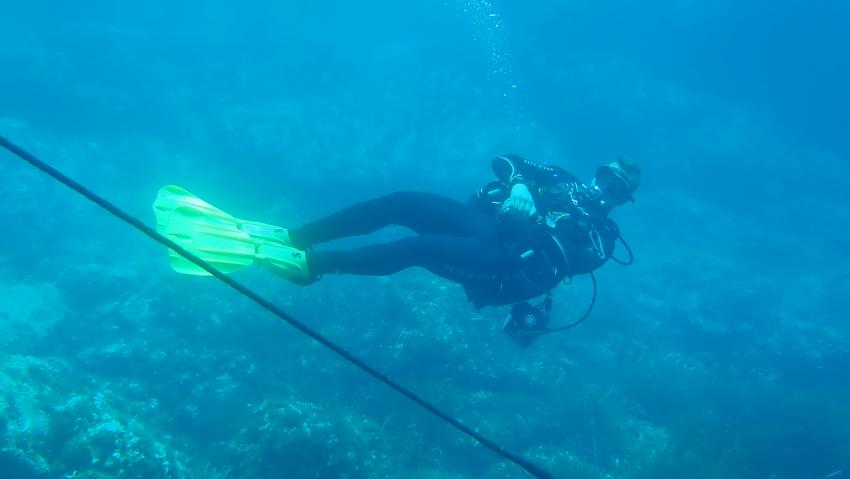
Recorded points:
(528, 466)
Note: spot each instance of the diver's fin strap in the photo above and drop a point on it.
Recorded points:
(286, 261)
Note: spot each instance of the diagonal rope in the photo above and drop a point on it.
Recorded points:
(517, 459)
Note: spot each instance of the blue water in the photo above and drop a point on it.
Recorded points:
(722, 353)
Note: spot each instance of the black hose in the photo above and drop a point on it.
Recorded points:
(583, 317)
(528, 466)
(628, 250)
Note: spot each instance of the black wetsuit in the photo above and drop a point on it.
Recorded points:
(497, 258)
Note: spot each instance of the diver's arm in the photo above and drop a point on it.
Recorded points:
(513, 169)
(521, 202)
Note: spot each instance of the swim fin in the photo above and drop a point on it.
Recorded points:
(224, 241)
(204, 230)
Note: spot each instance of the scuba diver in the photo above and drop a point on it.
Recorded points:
(515, 239)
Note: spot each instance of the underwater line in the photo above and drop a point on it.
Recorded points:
(46, 168)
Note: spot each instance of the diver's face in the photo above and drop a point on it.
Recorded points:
(614, 190)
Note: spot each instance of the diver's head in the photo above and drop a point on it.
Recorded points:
(617, 181)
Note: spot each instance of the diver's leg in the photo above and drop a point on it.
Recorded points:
(424, 213)
(455, 258)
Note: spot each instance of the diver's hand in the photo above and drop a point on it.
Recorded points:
(520, 204)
